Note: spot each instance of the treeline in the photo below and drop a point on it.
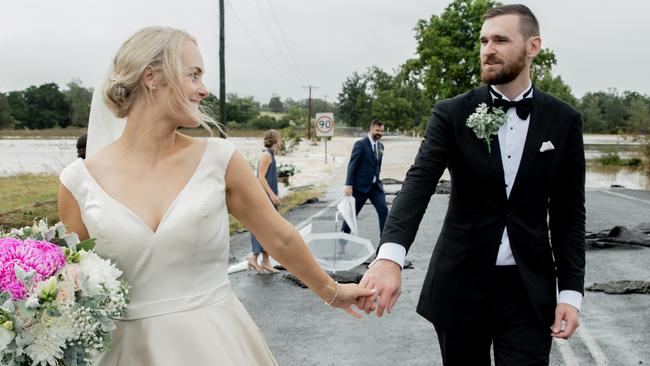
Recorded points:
(46, 106)
(447, 64)
(247, 113)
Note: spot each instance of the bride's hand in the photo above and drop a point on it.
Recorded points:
(350, 294)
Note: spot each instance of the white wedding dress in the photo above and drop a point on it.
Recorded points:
(182, 309)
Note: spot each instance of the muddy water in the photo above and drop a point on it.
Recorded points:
(50, 156)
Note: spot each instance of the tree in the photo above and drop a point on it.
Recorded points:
(241, 109)
(6, 120)
(354, 103)
(17, 107)
(556, 86)
(276, 105)
(79, 99)
(638, 108)
(296, 116)
(592, 115)
(43, 106)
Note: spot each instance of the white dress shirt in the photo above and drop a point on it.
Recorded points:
(375, 150)
(512, 138)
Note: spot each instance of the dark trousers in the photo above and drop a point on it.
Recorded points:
(377, 198)
(509, 323)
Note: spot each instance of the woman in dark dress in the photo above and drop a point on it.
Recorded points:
(267, 174)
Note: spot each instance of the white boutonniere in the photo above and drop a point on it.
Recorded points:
(485, 122)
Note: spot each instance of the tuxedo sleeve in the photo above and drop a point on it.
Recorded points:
(353, 165)
(432, 158)
(567, 213)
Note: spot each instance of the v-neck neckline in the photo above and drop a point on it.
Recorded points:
(169, 208)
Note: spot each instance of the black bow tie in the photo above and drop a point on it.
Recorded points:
(524, 106)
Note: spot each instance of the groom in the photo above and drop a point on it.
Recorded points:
(493, 274)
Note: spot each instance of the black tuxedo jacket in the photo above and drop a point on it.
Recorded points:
(363, 165)
(548, 191)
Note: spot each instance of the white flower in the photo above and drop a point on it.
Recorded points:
(49, 338)
(486, 123)
(95, 273)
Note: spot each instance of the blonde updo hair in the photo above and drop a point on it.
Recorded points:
(271, 137)
(159, 48)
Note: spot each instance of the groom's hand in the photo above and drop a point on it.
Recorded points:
(385, 277)
(567, 319)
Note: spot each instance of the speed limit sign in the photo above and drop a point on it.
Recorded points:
(324, 124)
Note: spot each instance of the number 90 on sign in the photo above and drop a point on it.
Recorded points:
(324, 124)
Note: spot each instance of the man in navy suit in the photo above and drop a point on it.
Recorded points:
(363, 181)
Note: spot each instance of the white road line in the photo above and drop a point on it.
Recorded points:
(567, 353)
(625, 196)
(592, 345)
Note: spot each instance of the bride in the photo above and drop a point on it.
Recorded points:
(157, 202)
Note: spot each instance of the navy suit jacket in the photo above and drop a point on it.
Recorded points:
(364, 165)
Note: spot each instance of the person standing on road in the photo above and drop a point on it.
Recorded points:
(364, 169)
(493, 275)
(267, 174)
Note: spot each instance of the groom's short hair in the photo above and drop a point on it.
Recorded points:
(528, 25)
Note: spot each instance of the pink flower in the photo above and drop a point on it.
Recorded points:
(71, 273)
(44, 258)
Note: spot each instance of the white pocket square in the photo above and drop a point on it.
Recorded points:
(546, 146)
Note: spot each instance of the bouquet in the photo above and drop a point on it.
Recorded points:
(58, 298)
(285, 171)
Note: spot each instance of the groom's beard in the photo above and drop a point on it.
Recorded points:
(508, 72)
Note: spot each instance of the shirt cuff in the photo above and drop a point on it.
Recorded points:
(393, 252)
(573, 298)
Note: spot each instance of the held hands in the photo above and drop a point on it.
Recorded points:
(567, 320)
(347, 190)
(385, 277)
(343, 296)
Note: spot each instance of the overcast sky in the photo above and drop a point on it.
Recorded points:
(599, 44)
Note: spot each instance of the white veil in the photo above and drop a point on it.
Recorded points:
(104, 126)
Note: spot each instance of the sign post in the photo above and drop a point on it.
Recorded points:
(325, 128)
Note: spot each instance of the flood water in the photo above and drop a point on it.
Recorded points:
(42, 156)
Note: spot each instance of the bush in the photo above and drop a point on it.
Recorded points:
(266, 122)
(612, 158)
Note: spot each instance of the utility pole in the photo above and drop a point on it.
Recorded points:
(309, 110)
(325, 99)
(222, 65)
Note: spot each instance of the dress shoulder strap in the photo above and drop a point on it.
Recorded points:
(220, 152)
(74, 178)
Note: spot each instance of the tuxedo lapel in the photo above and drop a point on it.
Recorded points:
(539, 125)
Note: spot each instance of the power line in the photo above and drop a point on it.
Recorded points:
(268, 28)
(284, 38)
(257, 45)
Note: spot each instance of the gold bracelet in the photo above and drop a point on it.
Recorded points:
(336, 292)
